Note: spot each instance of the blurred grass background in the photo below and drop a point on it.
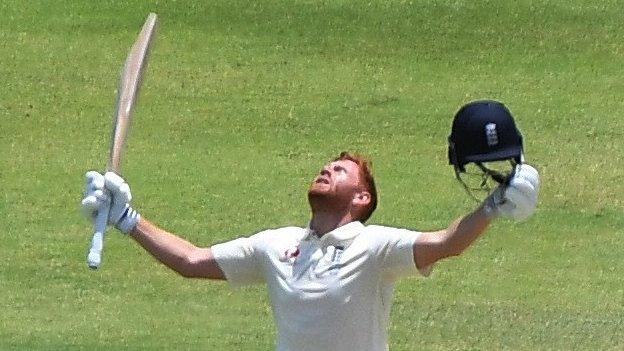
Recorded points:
(242, 104)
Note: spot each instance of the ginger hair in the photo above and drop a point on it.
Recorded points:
(366, 181)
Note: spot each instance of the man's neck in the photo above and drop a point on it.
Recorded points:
(324, 222)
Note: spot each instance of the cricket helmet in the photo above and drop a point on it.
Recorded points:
(483, 131)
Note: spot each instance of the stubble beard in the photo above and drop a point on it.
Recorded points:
(325, 201)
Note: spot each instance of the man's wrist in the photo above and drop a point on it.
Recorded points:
(491, 205)
(128, 220)
(490, 209)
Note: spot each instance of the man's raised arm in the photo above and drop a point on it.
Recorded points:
(516, 200)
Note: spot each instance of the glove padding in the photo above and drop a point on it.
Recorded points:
(518, 199)
(110, 190)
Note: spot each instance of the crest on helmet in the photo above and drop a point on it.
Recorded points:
(490, 133)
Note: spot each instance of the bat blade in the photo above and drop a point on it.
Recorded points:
(129, 84)
(128, 91)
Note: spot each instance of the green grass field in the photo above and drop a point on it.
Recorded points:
(242, 104)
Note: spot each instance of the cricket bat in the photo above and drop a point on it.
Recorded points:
(128, 91)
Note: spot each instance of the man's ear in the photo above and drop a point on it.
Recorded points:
(361, 198)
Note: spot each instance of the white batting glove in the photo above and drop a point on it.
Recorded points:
(121, 215)
(518, 199)
(109, 190)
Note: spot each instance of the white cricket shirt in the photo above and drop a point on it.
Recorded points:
(332, 293)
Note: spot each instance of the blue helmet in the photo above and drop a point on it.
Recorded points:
(484, 131)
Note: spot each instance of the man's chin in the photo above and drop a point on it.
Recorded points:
(318, 195)
(315, 192)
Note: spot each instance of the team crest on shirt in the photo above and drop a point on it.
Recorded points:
(335, 262)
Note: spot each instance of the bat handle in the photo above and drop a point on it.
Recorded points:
(94, 258)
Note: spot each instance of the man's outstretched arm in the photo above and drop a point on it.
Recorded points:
(176, 253)
(516, 200)
(431, 247)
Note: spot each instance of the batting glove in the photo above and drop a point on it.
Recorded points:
(518, 199)
(109, 190)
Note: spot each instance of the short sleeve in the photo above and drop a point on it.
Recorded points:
(394, 248)
(237, 259)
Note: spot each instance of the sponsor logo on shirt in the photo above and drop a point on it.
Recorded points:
(291, 254)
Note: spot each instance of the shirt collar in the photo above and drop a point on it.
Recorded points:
(343, 235)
